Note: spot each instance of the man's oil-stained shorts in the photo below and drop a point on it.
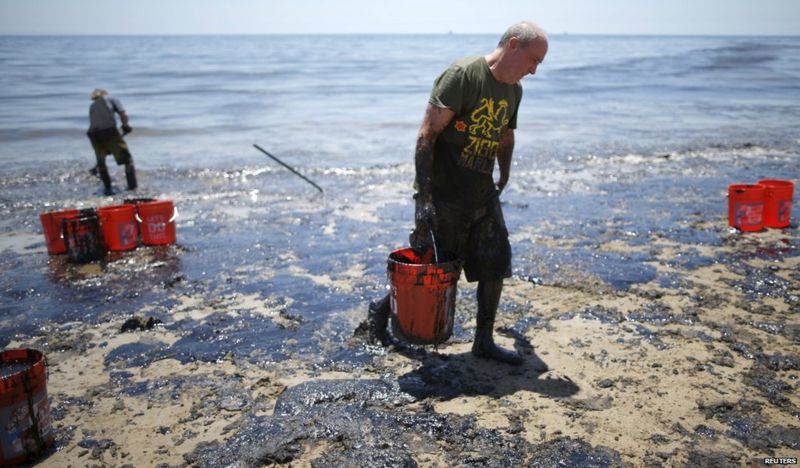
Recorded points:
(478, 237)
(107, 142)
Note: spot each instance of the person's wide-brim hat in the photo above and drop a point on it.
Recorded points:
(98, 92)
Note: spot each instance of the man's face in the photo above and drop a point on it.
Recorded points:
(527, 58)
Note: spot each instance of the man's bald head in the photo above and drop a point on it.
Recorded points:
(525, 32)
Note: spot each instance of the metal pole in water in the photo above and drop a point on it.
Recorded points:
(289, 167)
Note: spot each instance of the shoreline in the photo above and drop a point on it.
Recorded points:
(671, 340)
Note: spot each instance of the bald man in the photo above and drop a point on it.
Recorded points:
(469, 123)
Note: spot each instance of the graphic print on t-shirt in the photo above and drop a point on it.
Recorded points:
(485, 131)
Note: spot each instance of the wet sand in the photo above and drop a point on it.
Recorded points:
(653, 335)
(689, 376)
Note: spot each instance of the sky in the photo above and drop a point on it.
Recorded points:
(687, 17)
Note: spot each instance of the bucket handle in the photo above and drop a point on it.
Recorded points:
(435, 253)
(174, 215)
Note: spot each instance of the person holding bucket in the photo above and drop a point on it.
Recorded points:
(106, 139)
(469, 122)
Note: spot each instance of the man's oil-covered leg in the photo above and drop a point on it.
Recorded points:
(378, 321)
(130, 175)
(100, 153)
(102, 170)
(488, 299)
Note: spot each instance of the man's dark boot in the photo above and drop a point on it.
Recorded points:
(103, 171)
(484, 346)
(130, 175)
(378, 321)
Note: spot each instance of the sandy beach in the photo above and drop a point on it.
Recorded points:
(701, 375)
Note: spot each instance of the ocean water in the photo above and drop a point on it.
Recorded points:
(356, 101)
(619, 139)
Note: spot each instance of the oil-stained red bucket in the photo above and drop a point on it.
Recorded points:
(777, 202)
(157, 221)
(51, 225)
(120, 230)
(423, 296)
(83, 237)
(746, 207)
(25, 428)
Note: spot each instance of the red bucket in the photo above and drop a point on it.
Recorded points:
(423, 296)
(83, 237)
(746, 207)
(157, 222)
(25, 428)
(120, 230)
(777, 202)
(51, 225)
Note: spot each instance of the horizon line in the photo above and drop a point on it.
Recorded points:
(448, 33)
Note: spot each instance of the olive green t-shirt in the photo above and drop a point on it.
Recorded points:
(465, 151)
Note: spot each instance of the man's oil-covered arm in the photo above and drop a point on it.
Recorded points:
(434, 122)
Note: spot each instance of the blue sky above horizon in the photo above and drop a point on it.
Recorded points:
(699, 17)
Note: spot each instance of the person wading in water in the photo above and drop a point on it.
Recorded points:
(106, 139)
